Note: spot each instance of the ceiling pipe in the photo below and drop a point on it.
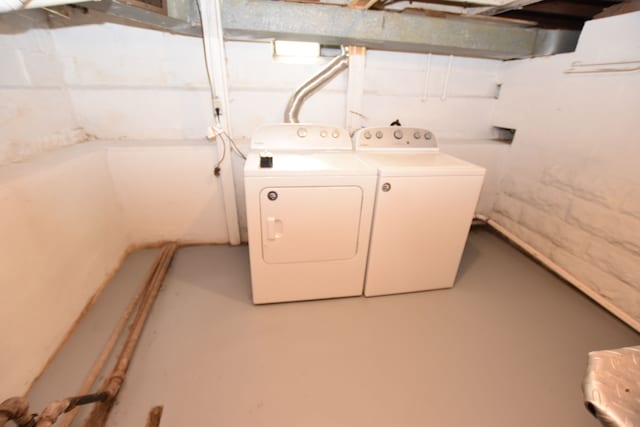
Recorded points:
(311, 86)
(11, 5)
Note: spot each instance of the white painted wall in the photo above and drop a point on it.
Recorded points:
(452, 96)
(167, 191)
(36, 112)
(62, 235)
(571, 189)
(69, 215)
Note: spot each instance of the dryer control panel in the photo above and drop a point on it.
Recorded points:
(395, 138)
(300, 136)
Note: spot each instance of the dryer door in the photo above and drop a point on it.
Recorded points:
(309, 224)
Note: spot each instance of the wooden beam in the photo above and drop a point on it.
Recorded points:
(361, 4)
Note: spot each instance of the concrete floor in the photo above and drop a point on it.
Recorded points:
(506, 347)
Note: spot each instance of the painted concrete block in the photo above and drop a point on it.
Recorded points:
(555, 230)
(616, 261)
(583, 270)
(250, 109)
(573, 239)
(631, 203)
(612, 226)
(13, 72)
(167, 190)
(517, 187)
(245, 58)
(508, 207)
(616, 38)
(550, 200)
(601, 188)
(619, 293)
(538, 241)
(44, 69)
(144, 114)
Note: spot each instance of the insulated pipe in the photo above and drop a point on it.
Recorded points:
(311, 86)
(11, 5)
(16, 409)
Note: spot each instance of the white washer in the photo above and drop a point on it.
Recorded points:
(425, 201)
(308, 215)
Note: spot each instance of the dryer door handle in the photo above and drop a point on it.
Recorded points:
(274, 228)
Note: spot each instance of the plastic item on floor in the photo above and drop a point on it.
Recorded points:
(612, 386)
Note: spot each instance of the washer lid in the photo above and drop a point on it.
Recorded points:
(420, 164)
(301, 163)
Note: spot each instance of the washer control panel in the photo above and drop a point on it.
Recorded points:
(394, 137)
(300, 136)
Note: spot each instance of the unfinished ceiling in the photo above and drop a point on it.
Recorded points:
(332, 24)
(552, 14)
(498, 29)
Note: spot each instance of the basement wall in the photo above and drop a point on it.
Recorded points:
(69, 214)
(571, 185)
(63, 234)
(67, 219)
(36, 112)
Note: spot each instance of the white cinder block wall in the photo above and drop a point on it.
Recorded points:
(36, 112)
(571, 187)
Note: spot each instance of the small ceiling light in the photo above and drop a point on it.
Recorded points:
(287, 49)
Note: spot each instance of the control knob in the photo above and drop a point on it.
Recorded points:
(397, 134)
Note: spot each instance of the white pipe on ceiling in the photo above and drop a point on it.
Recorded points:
(11, 5)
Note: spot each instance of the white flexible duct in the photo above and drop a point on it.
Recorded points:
(311, 86)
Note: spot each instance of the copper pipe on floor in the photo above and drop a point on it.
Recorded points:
(112, 384)
(113, 339)
(154, 416)
(16, 409)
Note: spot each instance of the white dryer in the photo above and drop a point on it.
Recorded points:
(309, 210)
(425, 201)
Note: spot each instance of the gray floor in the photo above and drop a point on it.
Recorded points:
(506, 347)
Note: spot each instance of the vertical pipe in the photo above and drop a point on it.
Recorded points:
(425, 93)
(217, 70)
(446, 79)
(311, 86)
(355, 87)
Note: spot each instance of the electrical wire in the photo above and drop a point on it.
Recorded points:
(233, 145)
(218, 130)
(216, 169)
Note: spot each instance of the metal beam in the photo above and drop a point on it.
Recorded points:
(336, 25)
